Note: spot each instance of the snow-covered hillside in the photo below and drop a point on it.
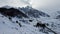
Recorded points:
(11, 27)
(13, 24)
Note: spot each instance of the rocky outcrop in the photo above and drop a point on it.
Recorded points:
(12, 12)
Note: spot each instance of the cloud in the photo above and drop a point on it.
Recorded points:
(15, 3)
(38, 4)
(46, 4)
(25, 1)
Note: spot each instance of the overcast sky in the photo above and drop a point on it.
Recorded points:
(38, 4)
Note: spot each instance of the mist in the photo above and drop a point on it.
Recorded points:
(46, 5)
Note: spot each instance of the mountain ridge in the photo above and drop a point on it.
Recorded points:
(31, 12)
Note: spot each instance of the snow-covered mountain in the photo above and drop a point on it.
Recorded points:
(31, 12)
(18, 21)
(34, 12)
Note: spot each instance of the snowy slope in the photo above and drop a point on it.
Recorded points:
(24, 26)
(8, 27)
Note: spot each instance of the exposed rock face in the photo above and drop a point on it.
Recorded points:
(58, 17)
(12, 12)
(40, 25)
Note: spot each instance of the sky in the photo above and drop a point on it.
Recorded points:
(46, 5)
